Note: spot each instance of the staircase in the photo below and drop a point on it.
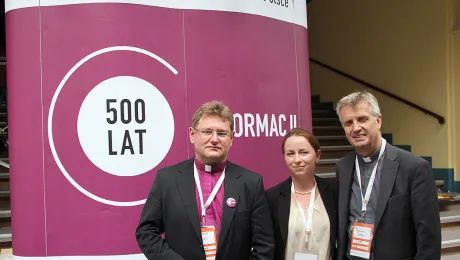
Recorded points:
(5, 210)
(334, 145)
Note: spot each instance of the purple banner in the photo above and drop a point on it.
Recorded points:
(101, 96)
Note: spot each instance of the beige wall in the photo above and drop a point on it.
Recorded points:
(454, 83)
(400, 46)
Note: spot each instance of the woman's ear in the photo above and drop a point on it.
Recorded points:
(318, 155)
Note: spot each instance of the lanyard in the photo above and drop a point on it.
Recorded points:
(365, 199)
(211, 196)
(308, 223)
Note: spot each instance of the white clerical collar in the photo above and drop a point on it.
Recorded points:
(210, 168)
(371, 158)
(367, 159)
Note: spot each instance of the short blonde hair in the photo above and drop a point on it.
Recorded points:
(213, 108)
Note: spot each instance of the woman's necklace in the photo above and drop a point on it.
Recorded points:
(302, 193)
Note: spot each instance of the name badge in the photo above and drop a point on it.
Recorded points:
(208, 234)
(361, 240)
(300, 256)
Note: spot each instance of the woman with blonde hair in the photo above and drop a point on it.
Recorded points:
(303, 207)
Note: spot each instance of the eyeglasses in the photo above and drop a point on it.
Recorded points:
(208, 133)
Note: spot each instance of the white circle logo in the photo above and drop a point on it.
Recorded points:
(125, 126)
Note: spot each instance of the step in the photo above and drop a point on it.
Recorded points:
(450, 202)
(326, 175)
(320, 111)
(336, 148)
(4, 175)
(335, 151)
(4, 193)
(5, 234)
(5, 213)
(328, 130)
(450, 237)
(328, 161)
(326, 121)
(332, 140)
(4, 167)
(443, 257)
(452, 197)
(331, 137)
(450, 216)
(4, 163)
(324, 114)
(327, 127)
(322, 106)
(326, 165)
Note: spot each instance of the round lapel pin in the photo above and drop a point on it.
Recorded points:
(231, 202)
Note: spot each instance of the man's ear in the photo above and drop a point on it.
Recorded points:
(191, 135)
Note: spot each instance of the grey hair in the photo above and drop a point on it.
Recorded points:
(354, 98)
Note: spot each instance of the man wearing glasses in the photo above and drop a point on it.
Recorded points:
(207, 207)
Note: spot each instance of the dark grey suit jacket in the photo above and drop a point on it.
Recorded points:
(279, 201)
(407, 223)
(171, 209)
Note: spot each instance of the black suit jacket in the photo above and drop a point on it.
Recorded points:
(407, 223)
(279, 201)
(171, 209)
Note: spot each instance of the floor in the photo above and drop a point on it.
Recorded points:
(6, 254)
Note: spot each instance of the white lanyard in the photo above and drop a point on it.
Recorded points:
(211, 196)
(307, 223)
(365, 199)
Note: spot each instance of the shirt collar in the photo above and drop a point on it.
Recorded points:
(214, 168)
(371, 158)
